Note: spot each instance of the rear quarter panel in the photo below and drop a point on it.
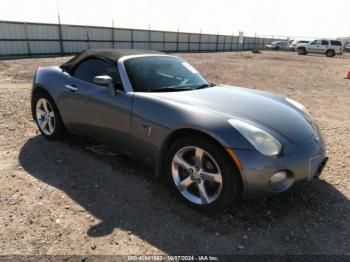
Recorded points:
(52, 80)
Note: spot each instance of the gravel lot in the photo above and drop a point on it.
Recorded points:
(75, 197)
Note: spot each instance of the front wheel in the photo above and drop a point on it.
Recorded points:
(302, 51)
(202, 174)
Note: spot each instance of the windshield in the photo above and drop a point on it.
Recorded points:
(162, 73)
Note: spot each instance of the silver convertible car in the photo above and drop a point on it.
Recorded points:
(213, 143)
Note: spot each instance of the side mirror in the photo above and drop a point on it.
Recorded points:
(118, 85)
(105, 80)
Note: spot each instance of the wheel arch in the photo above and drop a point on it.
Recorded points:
(37, 88)
(332, 50)
(174, 136)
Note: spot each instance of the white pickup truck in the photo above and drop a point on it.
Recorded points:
(321, 46)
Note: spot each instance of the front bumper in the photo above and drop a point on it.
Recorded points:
(302, 162)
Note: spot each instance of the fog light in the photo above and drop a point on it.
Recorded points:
(279, 182)
(278, 177)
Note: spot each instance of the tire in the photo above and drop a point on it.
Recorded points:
(277, 48)
(219, 196)
(302, 51)
(44, 109)
(330, 53)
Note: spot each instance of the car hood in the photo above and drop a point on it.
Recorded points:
(302, 44)
(263, 109)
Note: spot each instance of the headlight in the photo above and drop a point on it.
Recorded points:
(265, 143)
(299, 106)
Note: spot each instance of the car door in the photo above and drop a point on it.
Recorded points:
(94, 111)
(324, 47)
(314, 46)
(337, 45)
(284, 45)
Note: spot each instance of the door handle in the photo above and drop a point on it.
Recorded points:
(71, 88)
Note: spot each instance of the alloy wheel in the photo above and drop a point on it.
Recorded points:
(45, 116)
(196, 175)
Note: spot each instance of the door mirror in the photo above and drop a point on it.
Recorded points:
(118, 85)
(105, 80)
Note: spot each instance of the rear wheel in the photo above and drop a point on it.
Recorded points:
(302, 51)
(46, 116)
(330, 53)
(202, 174)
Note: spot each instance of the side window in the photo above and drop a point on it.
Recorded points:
(90, 68)
(315, 42)
(336, 43)
(325, 42)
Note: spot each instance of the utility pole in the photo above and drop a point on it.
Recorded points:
(217, 41)
(113, 37)
(177, 38)
(200, 40)
(58, 12)
(232, 42)
(149, 37)
(59, 27)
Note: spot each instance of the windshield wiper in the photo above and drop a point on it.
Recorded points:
(180, 88)
(204, 86)
(166, 89)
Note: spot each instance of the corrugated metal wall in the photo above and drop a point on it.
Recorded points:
(25, 39)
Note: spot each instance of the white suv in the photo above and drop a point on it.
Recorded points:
(321, 46)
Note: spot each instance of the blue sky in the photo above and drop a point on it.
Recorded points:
(313, 18)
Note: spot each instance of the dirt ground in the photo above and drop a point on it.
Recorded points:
(71, 197)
